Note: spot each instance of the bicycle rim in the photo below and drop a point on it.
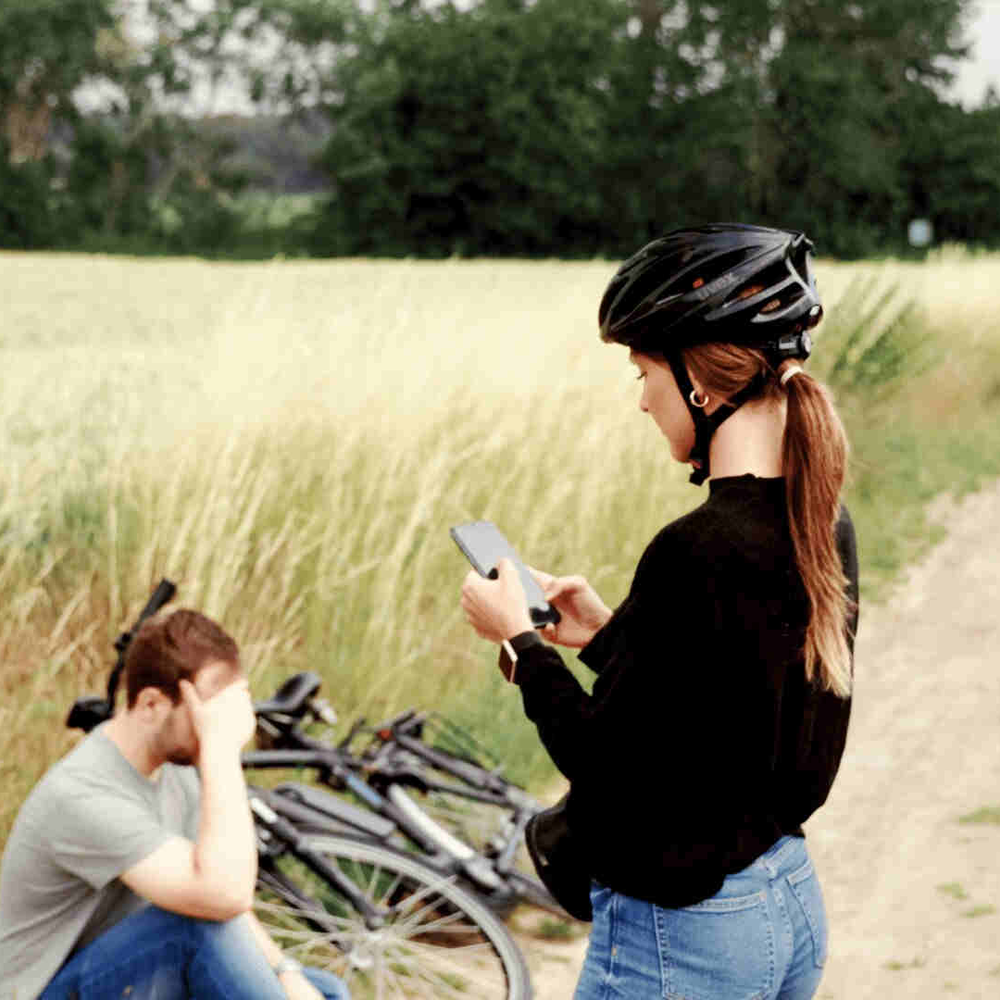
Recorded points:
(438, 941)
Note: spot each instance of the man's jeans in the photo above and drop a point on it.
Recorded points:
(158, 955)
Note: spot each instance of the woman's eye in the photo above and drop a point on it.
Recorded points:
(641, 375)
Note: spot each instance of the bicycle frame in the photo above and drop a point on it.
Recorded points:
(272, 825)
(400, 816)
(478, 784)
(380, 777)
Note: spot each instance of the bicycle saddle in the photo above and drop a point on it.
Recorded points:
(291, 697)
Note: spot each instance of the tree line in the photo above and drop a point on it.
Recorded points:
(497, 127)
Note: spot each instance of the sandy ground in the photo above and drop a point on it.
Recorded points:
(912, 892)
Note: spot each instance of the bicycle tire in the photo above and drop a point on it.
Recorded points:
(439, 940)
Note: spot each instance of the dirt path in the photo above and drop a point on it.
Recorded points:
(912, 893)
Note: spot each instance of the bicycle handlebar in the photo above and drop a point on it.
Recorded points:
(404, 722)
(163, 593)
(91, 711)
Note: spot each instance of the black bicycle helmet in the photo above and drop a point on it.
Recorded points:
(722, 283)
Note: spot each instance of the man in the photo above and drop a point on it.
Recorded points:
(126, 875)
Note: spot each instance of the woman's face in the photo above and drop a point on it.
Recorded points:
(661, 399)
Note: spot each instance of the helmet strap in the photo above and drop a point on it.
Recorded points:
(706, 425)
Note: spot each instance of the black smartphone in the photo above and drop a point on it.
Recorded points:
(484, 546)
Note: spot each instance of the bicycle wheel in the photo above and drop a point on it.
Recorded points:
(438, 940)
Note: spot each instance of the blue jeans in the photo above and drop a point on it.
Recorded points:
(157, 955)
(761, 937)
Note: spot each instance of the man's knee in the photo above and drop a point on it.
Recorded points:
(193, 930)
(235, 931)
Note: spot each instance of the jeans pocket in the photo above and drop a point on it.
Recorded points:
(717, 948)
(805, 888)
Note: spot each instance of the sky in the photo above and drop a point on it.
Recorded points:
(984, 66)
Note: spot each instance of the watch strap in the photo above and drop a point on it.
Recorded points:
(286, 965)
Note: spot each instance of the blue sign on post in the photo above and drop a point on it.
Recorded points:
(920, 232)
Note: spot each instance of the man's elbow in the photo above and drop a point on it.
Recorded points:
(225, 892)
(227, 902)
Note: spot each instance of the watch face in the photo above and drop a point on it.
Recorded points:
(508, 661)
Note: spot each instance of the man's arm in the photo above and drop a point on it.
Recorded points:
(213, 878)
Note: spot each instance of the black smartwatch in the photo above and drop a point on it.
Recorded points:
(510, 648)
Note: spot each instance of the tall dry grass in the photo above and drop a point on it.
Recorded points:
(290, 442)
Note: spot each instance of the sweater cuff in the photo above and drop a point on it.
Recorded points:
(534, 662)
(594, 655)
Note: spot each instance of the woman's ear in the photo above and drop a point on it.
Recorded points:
(713, 400)
(698, 397)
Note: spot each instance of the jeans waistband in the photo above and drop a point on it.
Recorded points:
(784, 854)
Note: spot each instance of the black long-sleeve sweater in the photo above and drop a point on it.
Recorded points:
(702, 743)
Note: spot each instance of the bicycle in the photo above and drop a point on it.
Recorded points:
(385, 923)
(389, 925)
(470, 820)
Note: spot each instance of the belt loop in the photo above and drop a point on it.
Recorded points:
(775, 856)
(786, 849)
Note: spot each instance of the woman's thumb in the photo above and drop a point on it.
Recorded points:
(506, 568)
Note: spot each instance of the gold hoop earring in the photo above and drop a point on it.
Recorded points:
(695, 401)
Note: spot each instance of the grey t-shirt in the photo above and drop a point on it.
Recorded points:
(90, 818)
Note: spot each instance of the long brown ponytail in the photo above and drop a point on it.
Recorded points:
(814, 460)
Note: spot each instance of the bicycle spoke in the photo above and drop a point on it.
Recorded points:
(373, 881)
(426, 928)
(449, 979)
(417, 897)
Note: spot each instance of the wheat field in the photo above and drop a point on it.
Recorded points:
(290, 441)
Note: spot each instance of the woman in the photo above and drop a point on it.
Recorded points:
(718, 718)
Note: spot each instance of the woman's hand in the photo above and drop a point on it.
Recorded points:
(496, 609)
(583, 612)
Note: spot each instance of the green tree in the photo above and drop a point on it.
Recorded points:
(47, 48)
(848, 87)
(951, 170)
(471, 131)
(136, 169)
(505, 126)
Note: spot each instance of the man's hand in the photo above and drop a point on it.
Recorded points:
(226, 720)
(582, 610)
(297, 987)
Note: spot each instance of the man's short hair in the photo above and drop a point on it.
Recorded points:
(172, 648)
